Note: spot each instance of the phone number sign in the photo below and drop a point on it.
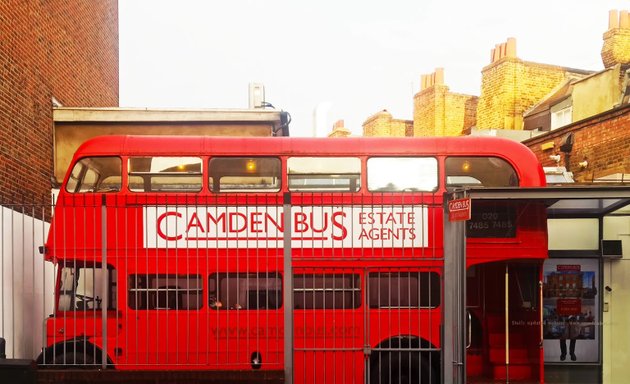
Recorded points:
(492, 221)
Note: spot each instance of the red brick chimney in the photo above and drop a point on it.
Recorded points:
(616, 48)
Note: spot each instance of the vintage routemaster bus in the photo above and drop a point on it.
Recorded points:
(170, 254)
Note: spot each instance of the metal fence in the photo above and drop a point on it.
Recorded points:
(190, 283)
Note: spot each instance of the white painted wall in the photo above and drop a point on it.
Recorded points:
(616, 315)
(26, 282)
(573, 234)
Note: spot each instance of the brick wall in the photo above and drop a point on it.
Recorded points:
(602, 140)
(438, 112)
(66, 49)
(511, 86)
(426, 105)
(616, 48)
(383, 124)
(339, 130)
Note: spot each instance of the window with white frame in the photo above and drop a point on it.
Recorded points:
(561, 117)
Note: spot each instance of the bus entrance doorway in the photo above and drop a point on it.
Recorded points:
(504, 322)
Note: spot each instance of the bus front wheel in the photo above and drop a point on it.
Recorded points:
(79, 360)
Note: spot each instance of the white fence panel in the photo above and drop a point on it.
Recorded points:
(26, 282)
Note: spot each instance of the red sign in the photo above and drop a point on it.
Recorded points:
(568, 267)
(459, 210)
(567, 307)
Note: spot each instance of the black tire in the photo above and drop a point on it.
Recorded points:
(76, 360)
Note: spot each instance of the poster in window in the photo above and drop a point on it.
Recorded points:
(571, 310)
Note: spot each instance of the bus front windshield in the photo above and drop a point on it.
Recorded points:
(81, 287)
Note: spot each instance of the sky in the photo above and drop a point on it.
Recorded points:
(327, 60)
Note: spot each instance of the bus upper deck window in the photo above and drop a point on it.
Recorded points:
(402, 174)
(480, 172)
(165, 174)
(95, 174)
(309, 174)
(244, 174)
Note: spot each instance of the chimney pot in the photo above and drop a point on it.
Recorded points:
(511, 47)
(613, 19)
(439, 76)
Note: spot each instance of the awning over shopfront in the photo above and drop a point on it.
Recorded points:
(566, 201)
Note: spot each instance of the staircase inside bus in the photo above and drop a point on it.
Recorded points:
(503, 345)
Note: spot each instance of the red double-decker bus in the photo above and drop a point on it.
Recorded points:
(171, 253)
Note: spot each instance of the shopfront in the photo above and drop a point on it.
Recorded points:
(586, 300)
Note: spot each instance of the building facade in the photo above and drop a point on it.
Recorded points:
(572, 119)
(51, 52)
(594, 144)
(439, 112)
(73, 126)
(517, 94)
(383, 124)
(593, 149)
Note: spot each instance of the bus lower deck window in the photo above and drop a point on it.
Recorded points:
(403, 290)
(327, 291)
(245, 291)
(149, 291)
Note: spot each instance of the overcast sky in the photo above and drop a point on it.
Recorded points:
(345, 59)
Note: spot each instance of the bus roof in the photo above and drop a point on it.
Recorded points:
(521, 157)
(200, 145)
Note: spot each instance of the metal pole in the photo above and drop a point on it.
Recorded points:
(454, 311)
(104, 278)
(288, 292)
(507, 323)
(461, 302)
